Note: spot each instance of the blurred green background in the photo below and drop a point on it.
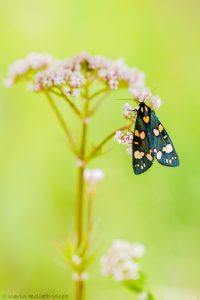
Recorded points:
(37, 175)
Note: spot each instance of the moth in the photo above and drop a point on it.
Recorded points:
(151, 140)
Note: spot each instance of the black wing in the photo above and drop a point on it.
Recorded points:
(142, 154)
(161, 144)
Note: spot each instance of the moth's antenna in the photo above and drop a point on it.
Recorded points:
(124, 99)
(127, 99)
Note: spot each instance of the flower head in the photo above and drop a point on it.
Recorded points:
(128, 111)
(121, 261)
(21, 67)
(156, 102)
(45, 73)
(93, 176)
(140, 94)
(125, 138)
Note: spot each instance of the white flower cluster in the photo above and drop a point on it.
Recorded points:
(93, 176)
(128, 111)
(140, 94)
(72, 74)
(20, 68)
(125, 138)
(122, 261)
(155, 102)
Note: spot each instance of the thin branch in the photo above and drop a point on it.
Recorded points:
(98, 103)
(71, 104)
(62, 123)
(99, 92)
(105, 140)
(55, 92)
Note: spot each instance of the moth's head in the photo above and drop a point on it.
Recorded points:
(144, 112)
(144, 109)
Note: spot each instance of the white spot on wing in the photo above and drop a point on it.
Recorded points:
(168, 148)
(159, 155)
(156, 132)
(138, 154)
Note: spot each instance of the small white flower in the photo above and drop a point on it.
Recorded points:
(129, 149)
(102, 73)
(136, 79)
(87, 120)
(80, 163)
(119, 136)
(128, 110)
(143, 296)
(38, 60)
(93, 176)
(113, 83)
(140, 94)
(121, 262)
(138, 250)
(75, 92)
(76, 79)
(124, 138)
(33, 61)
(155, 102)
(77, 260)
(68, 91)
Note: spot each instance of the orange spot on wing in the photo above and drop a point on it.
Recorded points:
(137, 133)
(142, 135)
(146, 119)
(149, 156)
(160, 127)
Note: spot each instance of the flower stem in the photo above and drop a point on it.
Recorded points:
(79, 290)
(62, 123)
(98, 147)
(80, 192)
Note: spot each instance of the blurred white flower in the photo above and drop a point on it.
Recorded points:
(77, 260)
(33, 61)
(155, 102)
(128, 111)
(119, 136)
(140, 94)
(125, 138)
(138, 250)
(76, 92)
(121, 261)
(143, 296)
(76, 79)
(93, 176)
(80, 163)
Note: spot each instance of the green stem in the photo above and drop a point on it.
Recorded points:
(62, 123)
(98, 147)
(80, 193)
(79, 290)
(71, 104)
